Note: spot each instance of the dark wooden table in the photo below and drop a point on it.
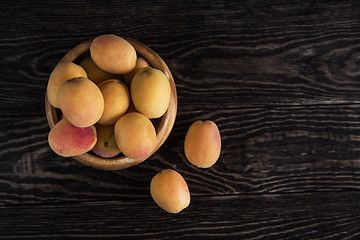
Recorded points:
(280, 78)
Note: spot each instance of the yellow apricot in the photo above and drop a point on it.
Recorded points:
(202, 144)
(140, 63)
(113, 54)
(135, 135)
(105, 146)
(61, 73)
(81, 101)
(94, 73)
(150, 92)
(116, 99)
(170, 191)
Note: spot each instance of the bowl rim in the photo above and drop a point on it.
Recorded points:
(162, 131)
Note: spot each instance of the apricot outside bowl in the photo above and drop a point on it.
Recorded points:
(163, 126)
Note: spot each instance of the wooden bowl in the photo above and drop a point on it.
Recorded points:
(166, 122)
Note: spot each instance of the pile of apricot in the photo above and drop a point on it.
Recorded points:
(108, 101)
(100, 112)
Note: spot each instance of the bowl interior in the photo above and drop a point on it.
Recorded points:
(162, 125)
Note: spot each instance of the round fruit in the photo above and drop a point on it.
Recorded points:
(135, 135)
(113, 54)
(150, 92)
(116, 99)
(67, 140)
(170, 191)
(140, 63)
(202, 144)
(61, 73)
(105, 146)
(94, 73)
(81, 101)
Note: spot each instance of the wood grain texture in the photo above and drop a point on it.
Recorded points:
(264, 150)
(221, 55)
(280, 78)
(286, 216)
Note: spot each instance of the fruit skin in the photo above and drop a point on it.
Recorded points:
(105, 146)
(116, 100)
(81, 101)
(140, 63)
(202, 144)
(150, 92)
(61, 73)
(67, 140)
(170, 191)
(94, 73)
(113, 54)
(135, 135)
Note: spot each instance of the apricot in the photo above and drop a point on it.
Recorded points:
(94, 73)
(202, 144)
(67, 140)
(150, 92)
(113, 54)
(140, 63)
(81, 101)
(61, 73)
(135, 135)
(170, 191)
(116, 100)
(106, 145)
